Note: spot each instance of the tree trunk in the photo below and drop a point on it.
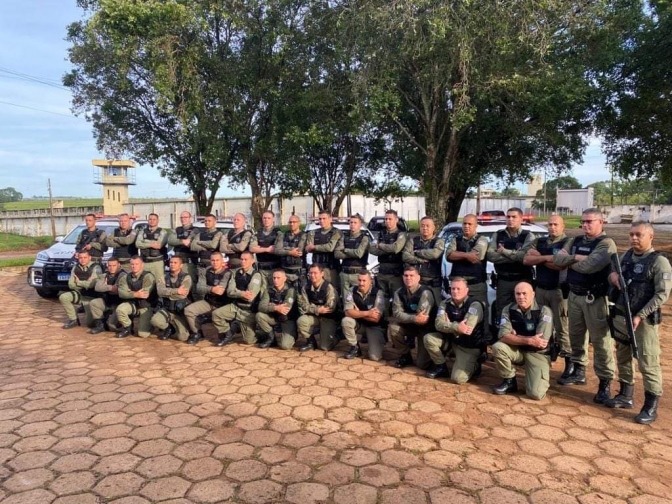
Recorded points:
(203, 205)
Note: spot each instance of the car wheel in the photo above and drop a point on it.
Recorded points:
(46, 293)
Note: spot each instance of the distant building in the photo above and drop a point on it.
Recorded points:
(534, 185)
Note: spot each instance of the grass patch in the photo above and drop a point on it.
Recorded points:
(13, 242)
(42, 204)
(16, 261)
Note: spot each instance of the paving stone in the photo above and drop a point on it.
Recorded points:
(246, 470)
(379, 475)
(211, 491)
(159, 466)
(403, 495)
(27, 480)
(290, 472)
(74, 462)
(165, 488)
(202, 469)
(72, 483)
(119, 485)
(307, 493)
(450, 496)
(261, 492)
(355, 494)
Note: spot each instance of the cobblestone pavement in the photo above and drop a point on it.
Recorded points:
(90, 419)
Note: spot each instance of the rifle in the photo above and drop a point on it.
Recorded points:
(626, 302)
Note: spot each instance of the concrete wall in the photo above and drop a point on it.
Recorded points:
(658, 214)
(38, 222)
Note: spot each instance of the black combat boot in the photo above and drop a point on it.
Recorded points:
(577, 377)
(124, 333)
(224, 339)
(310, 344)
(623, 399)
(508, 386)
(649, 411)
(167, 333)
(478, 369)
(353, 352)
(195, 337)
(438, 371)
(265, 341)
(603, 392)
(98, 327)
(71, 323)
(569, 369)
(404, 360)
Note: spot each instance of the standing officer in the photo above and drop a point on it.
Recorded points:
(92, 240)
(122, 242)
(648, 276)
(353, 249)
(391, 243)
(588, 258)
(206, 242)
(525, 332)
(290, 247)
(552, 289)
(462, 328)
(82, 281)
(467, 255)
(506, 251)
(263, 245)
(211, 288)
(426, 252)
(413, 312)
(137, 290)
(322, 243)
(151, 243)
(173, 291)
(180, 240)
(365, 308)
(243, 291)
(278, 308)
(235, 241)
(107, 287)
(318, 303)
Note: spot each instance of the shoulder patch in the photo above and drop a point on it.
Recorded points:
(441, 311)
(349, 297)
(503, 321)
(473, 310)
(667, 276)
(546, 318)
(256, 280)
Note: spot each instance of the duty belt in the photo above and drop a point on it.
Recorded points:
(268, 266)
(548, 287)
(153, 259)
(352, 271)
(513, 277)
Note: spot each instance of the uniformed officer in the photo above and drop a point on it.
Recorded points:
(353, 250)
(426, 252)
(243, 291)
(552, 289)
(236, 241)
(461, 327)
(173, 291)
(122, 242)
(414, 311)
(507, 251)
(365, 308)
(92, 240)
(648, 275)
(290, 247)
(206, 242)
(389, 250)
(151, 243)
(107, 289)
(525, 333)
(467, 255)
(588, 259)
(322, 243)
(278, 311)
(263, 245)
(211, 288)
(318, 304)
(82, 281)
(180, 240)
(137, 291)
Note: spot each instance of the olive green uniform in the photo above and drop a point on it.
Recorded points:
(164, 317)
(98, 243)
(348, 275)
(100, 305)
(118, 242)
(239, 309)
(234, 246)
(267, 318)
(204, 247)
(389, 276)
(586, 315)
(310, 320)
(429, 254)
(648, 341)
(294, 267)
(438, 344)
(537, 363)
(375, 333)
(404, 330)
(127, 309)
(81, 291)
(267, 262)
(189, 257)
(331, 266)
(208, 301)
(155, 265)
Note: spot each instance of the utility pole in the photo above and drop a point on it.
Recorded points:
(51, 211)
(545, 191)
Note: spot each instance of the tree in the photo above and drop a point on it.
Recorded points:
(550, 192)
(9, 194)
(509, 192)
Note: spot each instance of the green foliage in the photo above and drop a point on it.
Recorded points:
(9, 194)
(631, 192)
(12, 242)
(551, 190)
(509, 192)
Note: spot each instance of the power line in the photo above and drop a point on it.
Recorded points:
(32, 78)
(37, 109)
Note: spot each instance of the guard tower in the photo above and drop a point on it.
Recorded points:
(115, 175)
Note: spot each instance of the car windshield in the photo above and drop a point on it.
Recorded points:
(71, 237)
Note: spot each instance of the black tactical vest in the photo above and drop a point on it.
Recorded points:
(319, 297)
(354, 264)
(290, 241)
(277, 297)
(513, 271)
(581, 283)
(85, 275)
(477, 338)
(235, 238)
(410, 303)
(213, 279)
(185, 253)
(547, 278)
(243, 281)
(267, 260)
(326, 259)
(124, 252)
(135, 285)
(527, 327)
(151, 254)
(365, 303)
(87, 237)
(113, 299)
(390, 264)
(474, 273)
(175, 306)
(430, 271)
(206, 235)
(640, 281)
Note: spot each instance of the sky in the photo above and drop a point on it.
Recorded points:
(39, 137)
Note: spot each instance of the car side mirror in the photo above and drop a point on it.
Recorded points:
(59, 239)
